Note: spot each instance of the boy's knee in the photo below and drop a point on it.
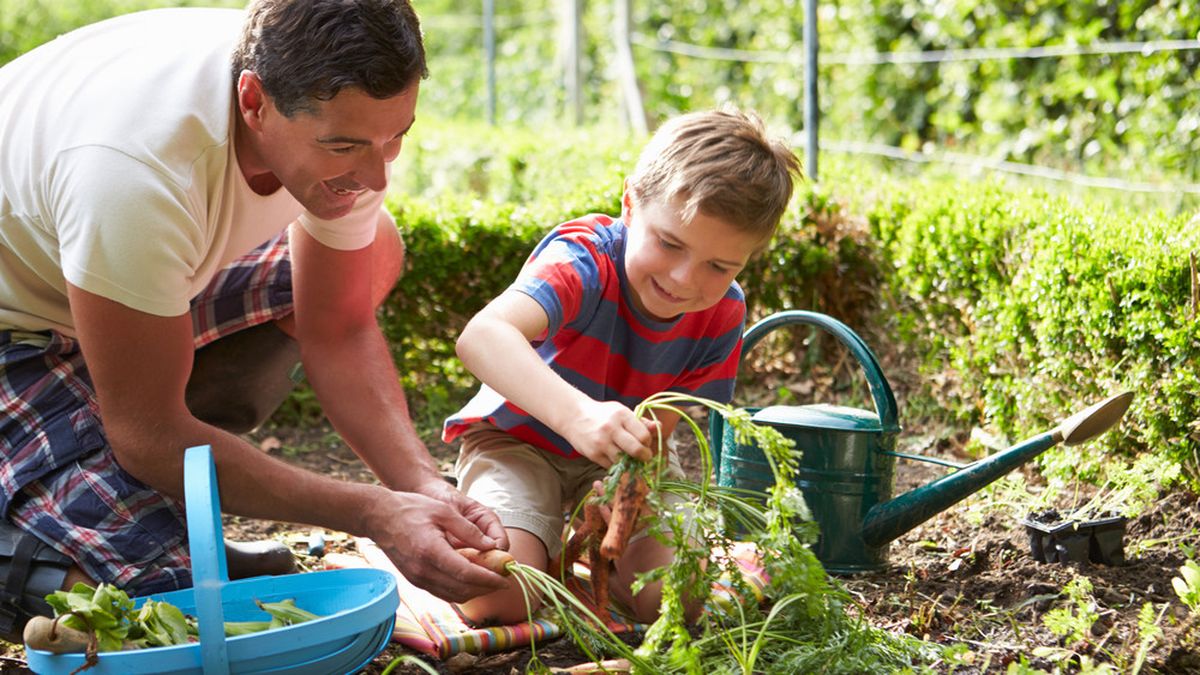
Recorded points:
(500, 608)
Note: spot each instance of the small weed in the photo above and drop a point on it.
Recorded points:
(1187, 585)
(1074, 622)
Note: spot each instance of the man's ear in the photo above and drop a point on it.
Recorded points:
(252, 100)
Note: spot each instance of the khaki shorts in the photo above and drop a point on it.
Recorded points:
(528, 488)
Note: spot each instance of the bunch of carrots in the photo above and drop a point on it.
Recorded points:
(603, 541)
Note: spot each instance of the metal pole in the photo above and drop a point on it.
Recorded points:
(626, 72)
(812, 113)
(489, 46)
(574, 57)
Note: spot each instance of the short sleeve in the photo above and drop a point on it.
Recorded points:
(125, 231)
(565, 277)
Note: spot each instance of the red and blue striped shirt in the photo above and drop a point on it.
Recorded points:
(600, 343)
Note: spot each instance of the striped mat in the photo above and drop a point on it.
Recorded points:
(432, 626)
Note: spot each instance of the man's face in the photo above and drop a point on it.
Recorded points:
(327, 158)
(674, 266)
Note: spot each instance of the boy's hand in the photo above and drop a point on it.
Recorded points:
(603, 430)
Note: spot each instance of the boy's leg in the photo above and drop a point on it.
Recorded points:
(645, 553)
(521, 485)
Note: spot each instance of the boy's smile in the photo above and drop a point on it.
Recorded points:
(675, 267)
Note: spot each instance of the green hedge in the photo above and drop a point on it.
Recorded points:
(1036, 306)
(998, 307)
(463, 252)
(991, 305)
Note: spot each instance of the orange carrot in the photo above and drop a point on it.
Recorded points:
(495, 559)
(627, 503)
(599, 567)
(577, 542)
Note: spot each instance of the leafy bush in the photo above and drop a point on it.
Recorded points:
(1037, 306)
(1014, 307)
(25, 24)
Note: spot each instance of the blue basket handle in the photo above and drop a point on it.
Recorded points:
(207, 547)
(881, 391)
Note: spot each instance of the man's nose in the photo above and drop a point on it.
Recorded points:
(372, 173)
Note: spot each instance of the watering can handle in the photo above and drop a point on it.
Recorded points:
(881, 392)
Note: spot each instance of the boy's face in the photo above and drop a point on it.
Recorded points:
(675, 267)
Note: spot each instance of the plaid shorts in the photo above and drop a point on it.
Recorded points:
(59, 478)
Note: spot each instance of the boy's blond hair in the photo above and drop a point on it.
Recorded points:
(721, 163)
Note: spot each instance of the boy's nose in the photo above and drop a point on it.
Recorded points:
(682, 275)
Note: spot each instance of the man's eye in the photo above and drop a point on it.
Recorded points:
(342, 150)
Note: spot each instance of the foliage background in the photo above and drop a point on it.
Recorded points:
(1132, 115)
(1008, 305)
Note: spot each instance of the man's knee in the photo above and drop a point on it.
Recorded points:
(238, 381)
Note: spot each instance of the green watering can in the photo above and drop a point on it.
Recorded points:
(849, 455)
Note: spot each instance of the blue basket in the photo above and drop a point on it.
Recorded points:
(357, 609)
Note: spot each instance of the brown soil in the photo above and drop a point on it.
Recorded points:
(965, 577)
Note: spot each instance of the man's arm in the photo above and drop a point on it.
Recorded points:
(140, 364)
(495, 347)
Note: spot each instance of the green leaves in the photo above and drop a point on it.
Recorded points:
(163, 624)
(1187, 585)
(109, 613)
(106, 611)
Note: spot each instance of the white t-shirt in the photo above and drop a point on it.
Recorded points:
(119, 175)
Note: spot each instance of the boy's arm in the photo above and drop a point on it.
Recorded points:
(495, 347)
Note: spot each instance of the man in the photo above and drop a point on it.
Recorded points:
(183, 212)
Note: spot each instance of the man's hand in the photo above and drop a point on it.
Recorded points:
(603, 430)
(484, 520)
(419, 534)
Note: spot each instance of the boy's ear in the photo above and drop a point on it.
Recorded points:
(626, 201)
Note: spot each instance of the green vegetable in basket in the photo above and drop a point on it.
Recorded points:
(285, 612)
(105, 611)
(236, 628)
(108, 613)
(162, 624)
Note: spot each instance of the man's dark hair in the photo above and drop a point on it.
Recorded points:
(309, 50)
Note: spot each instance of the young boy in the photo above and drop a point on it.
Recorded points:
(605, 313)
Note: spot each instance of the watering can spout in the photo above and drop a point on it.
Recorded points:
(888, 520)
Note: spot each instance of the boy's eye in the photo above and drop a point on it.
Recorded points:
(719, 267)
(670, 246)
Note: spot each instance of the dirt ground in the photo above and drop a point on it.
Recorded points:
(966, 577)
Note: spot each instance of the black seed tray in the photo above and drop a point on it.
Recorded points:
(1099, 541)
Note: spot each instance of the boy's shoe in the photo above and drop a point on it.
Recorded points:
(239, 380)
(29, 571)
